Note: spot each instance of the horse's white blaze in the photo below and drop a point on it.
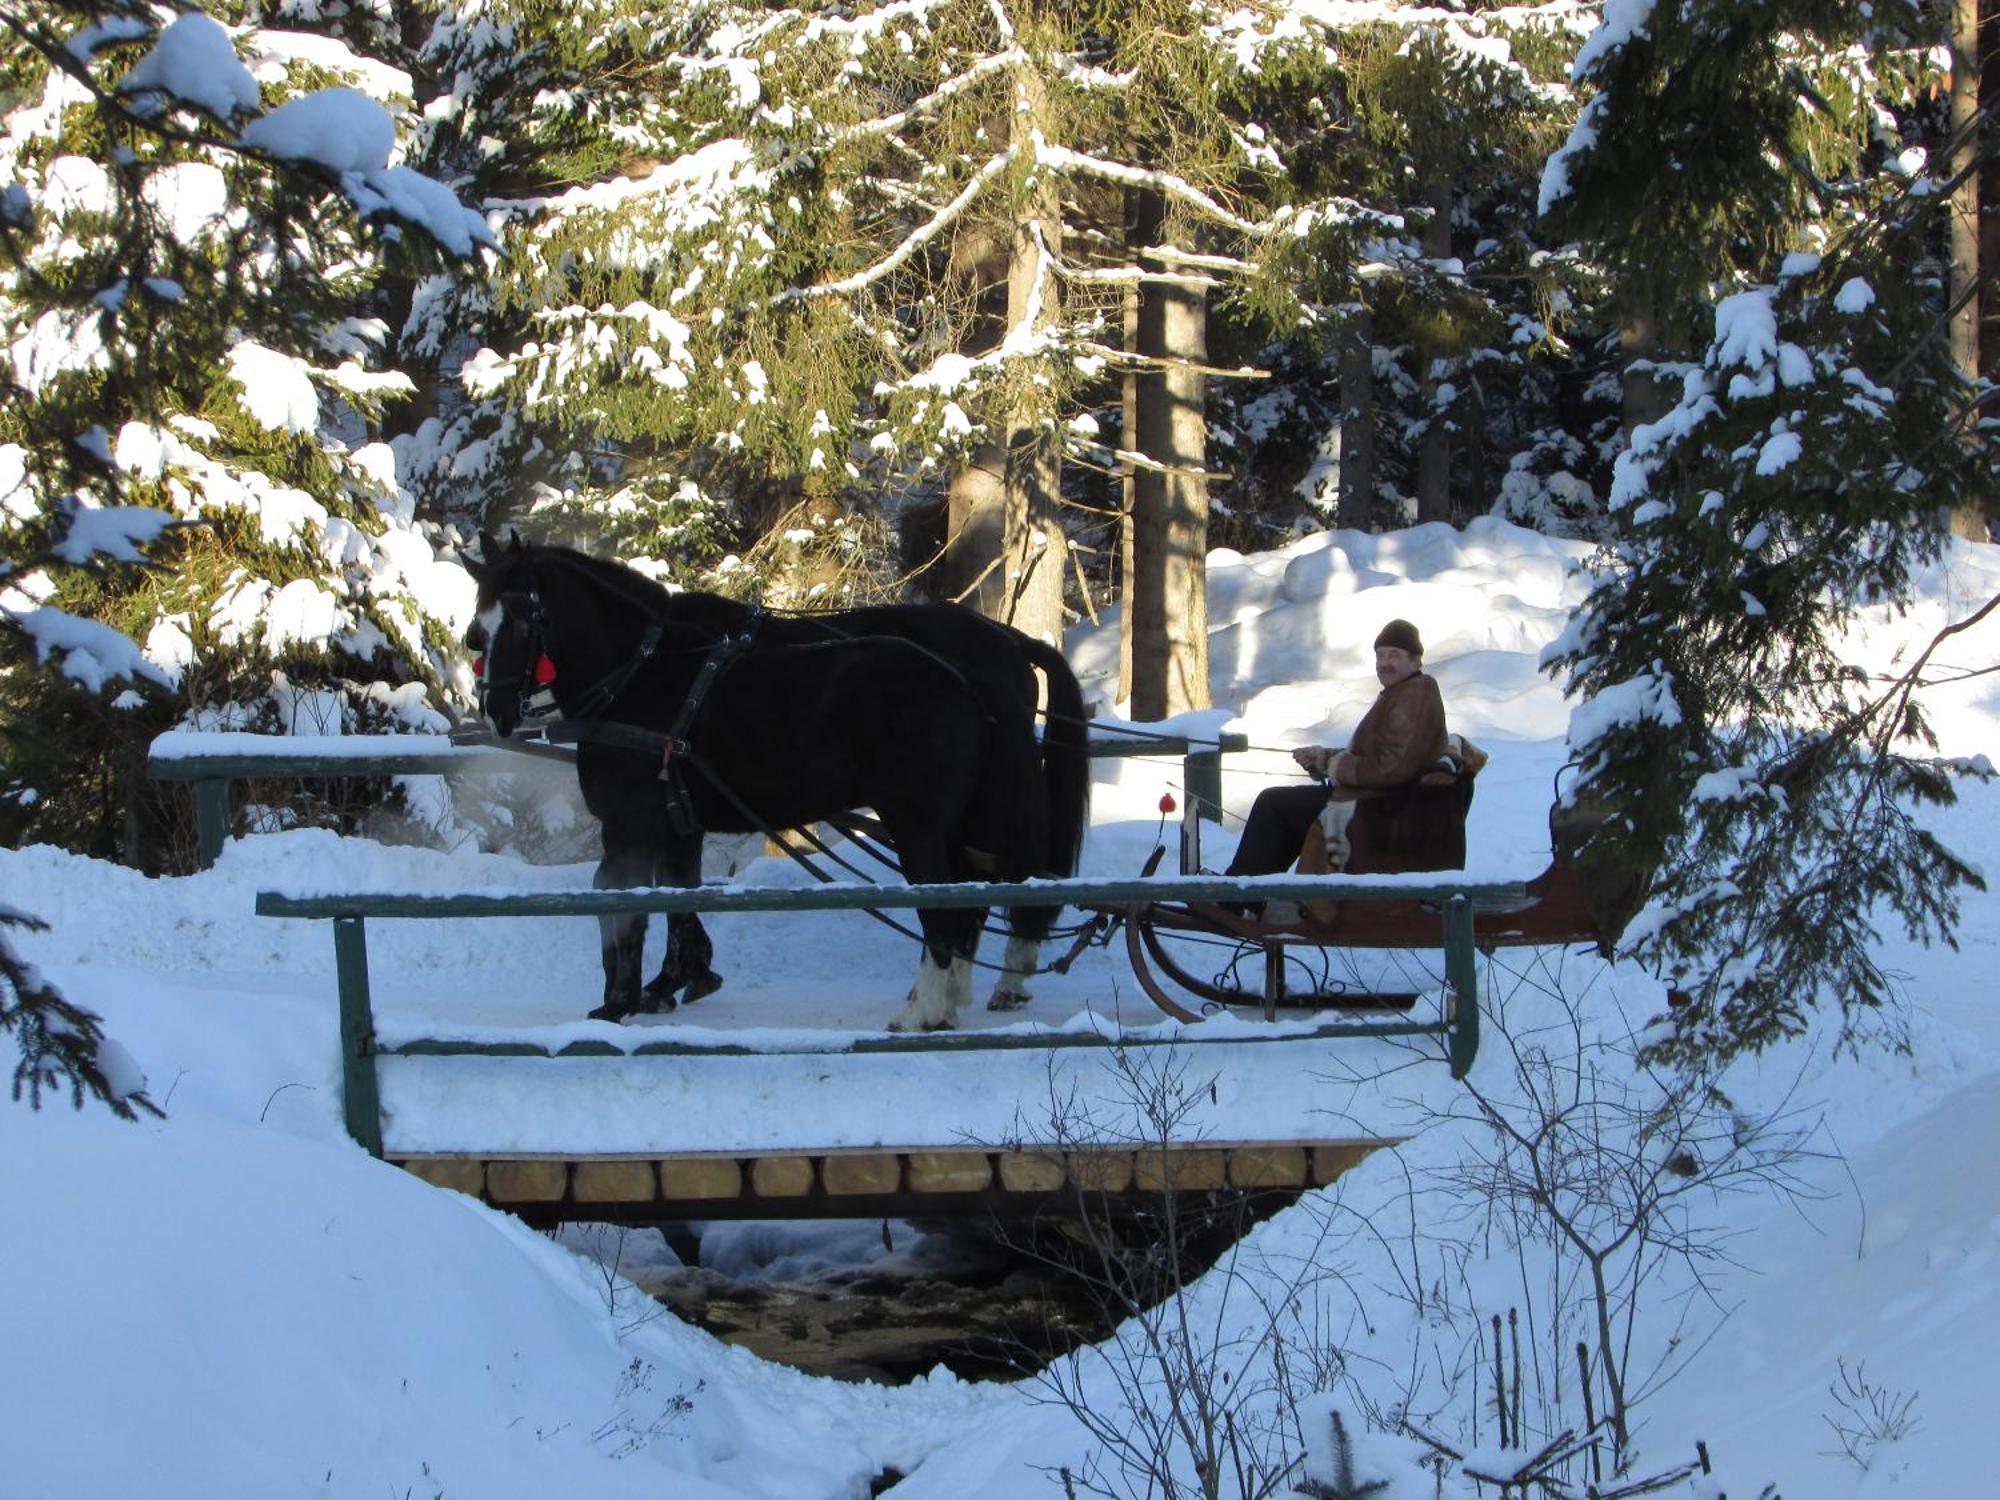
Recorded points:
(1011, 992)
(489, 620)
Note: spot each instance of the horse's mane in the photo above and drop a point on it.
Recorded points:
(655, 601)
(633, 587)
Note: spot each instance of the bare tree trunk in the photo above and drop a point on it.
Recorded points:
(1434, 450)
(1127, 486)
(1989, 179)
(1357, 423)
(976, 531)
(1169, 592)
(1962, 249)
(1037, 552)
(1639, 340)
(975, 536)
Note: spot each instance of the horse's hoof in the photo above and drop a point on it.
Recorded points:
(701, 984)
(610, 1012)
(1009, 1001)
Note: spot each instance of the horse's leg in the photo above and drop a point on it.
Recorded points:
(1011, 992)
(685, 969)
(944, 972)
(931, 1001)
(622, 937)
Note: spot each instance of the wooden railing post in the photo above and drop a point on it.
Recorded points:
(1201, 780)
(211, 819)
(361, 1099)
(1461, 975)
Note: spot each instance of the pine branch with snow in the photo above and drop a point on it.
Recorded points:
(192, 295)
(62, 1046)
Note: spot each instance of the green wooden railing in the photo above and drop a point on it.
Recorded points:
(211, 762)
(1457, 1025)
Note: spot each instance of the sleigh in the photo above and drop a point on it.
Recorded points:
(1195, 957)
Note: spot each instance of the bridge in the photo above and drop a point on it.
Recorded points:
(993, 1167)
(774, 1167)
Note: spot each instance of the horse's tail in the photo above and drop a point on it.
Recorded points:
(1065, 759)
(1065, 780)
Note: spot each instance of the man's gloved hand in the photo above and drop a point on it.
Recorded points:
(1314, 760)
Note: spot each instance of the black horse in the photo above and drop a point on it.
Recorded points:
(923, 713)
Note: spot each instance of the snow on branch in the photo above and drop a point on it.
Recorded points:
(918, 238)
(1113, 459)
(1063, 159)
(193, 62)
(1291, 220)
(119, 532)
(1134, 275)
(1130, 360)
(952, 87)
(91, 655)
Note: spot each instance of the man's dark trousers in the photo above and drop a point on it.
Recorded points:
(1278, 822)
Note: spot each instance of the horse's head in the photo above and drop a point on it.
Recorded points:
(510, 634)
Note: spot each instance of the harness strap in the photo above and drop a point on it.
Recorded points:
(599, 695)
(680, 808)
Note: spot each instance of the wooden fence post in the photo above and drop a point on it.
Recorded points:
(360, 1097)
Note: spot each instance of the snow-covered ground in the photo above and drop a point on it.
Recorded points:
(236, 1301)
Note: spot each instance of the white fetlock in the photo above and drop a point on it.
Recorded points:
(931, 1001)
(1011, 993)
(958, 992)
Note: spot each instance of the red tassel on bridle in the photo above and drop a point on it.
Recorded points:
(545, 672)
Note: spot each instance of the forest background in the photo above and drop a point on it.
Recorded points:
(1020, 303)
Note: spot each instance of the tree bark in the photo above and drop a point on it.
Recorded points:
(1357, 423)
(1037, 551)
(1639, 341)
(1127, 484)
(1962, 240)
(975, 517)
(1169, 592)
(1434, 449)
(1989, 177)
(976, 532)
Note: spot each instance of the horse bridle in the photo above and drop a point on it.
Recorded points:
(539, 707)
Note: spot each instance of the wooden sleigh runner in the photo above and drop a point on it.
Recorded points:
(1277, 957)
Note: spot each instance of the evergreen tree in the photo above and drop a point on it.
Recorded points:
(185, 304)
(1715, 135)
(1803, 475)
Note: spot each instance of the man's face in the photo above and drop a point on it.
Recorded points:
(1393, 664)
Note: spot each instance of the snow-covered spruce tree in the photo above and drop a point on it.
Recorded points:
(1818, 439)
(1804, 475)
(1465, 112)
(614, 160)
(1715, 136)
(509, 98)
(184, 285)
